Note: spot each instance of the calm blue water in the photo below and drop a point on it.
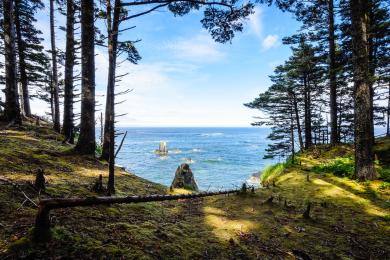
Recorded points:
(221, 157)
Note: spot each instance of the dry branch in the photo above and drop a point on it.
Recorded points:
(42, 221)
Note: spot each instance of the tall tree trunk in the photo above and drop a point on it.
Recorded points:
(12, 108)
(56, 100)
(364, 165)
(110, 106)
(388, 113)
(308, 134)
(112, 31)
(86, 143)
(292, 136)
(295, 103)
(68, 124)
(22, 62)
(334, 139)
(372, 60)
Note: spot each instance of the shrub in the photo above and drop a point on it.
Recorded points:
(385, 174)
(343, 167)
(98, 150)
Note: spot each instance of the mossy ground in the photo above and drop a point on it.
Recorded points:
(348, 219)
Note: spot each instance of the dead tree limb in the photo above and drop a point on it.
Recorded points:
(120, 146)
(42, 221)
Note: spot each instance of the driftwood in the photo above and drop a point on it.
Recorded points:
(42, 221)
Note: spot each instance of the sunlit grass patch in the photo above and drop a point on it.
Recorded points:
(271, 172)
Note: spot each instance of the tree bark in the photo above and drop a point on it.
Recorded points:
(292, 136)
(86, 143)
(295, 102)
(112, 31)
(372, 61)
(308, 134)
(388, 113)
(12, 107)
(110, 106)
(334, 138)
(22, 63)
(68, 123)
(56, 122)
(364, 165)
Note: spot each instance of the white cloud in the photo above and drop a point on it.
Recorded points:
(200, 48)
(270, 41)
(255, 22)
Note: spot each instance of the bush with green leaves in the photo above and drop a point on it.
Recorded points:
(342, 167)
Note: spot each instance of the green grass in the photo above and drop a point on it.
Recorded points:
(348, 219)
(271, 172)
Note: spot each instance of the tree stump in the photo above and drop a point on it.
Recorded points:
(98, 186)
(184, 178)
(39, 183)
(306, 214)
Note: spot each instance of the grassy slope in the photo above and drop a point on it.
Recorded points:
(353, 223)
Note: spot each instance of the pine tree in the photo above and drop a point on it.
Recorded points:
(86, 143)
(12, 108)
(55, 89)
(364, 164)
(70, 56)
(296, 84)
(31, 59)
(278, 104)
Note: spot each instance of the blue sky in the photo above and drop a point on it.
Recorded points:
(184, 77)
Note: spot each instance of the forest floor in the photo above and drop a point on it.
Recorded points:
(348, 220)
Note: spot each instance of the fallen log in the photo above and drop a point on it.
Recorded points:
(42, 221)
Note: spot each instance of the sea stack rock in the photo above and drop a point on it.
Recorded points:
(184, 178)
(162, 149)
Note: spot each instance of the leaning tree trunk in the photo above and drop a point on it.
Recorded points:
(54, 70)
(334, 138)
(22, 62)
(86, 143)
(364, 165)
(12, 108)
(68, 124)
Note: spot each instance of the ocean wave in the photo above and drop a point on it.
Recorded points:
(217, 160)
(253, 181)
(211, 134)
(175, 151)
(196, 150)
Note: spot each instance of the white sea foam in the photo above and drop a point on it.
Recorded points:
(253, 181)
(175, 151)
(196, 150)
(211, 134)
(188, 160)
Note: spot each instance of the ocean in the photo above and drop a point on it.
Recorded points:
(220, 158)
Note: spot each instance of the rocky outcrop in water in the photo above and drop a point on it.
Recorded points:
(184, 178)
(162, 149)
